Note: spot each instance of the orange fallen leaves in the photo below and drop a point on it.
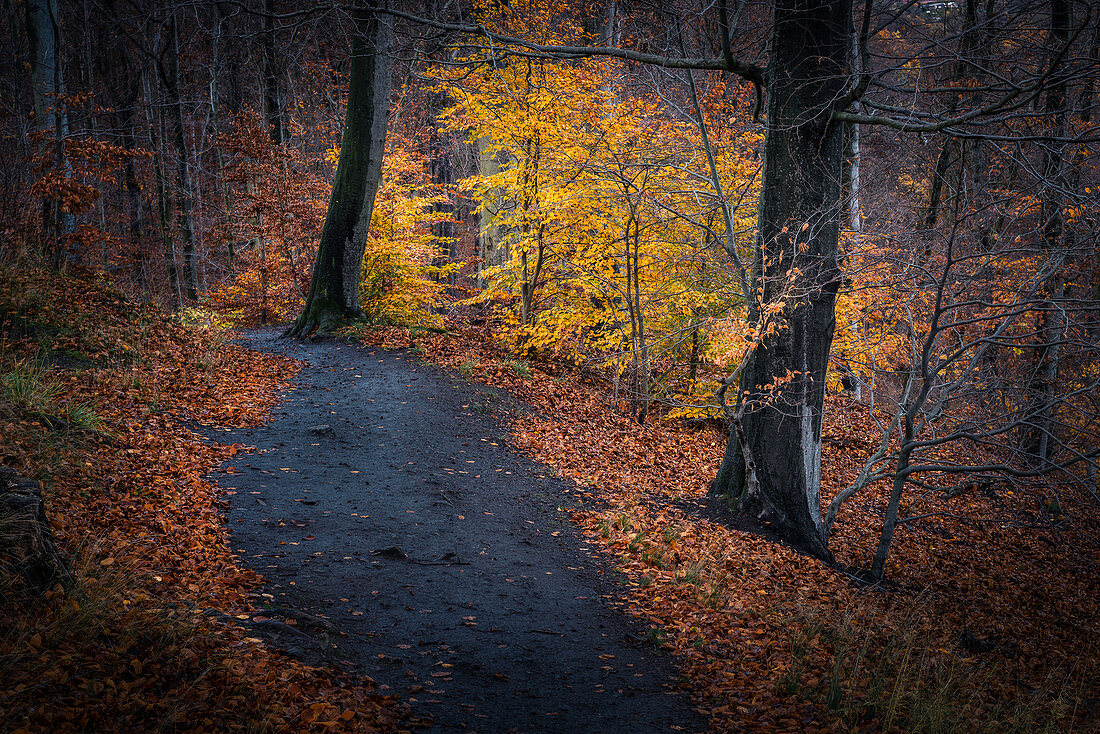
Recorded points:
(136, 647)
(770, 640)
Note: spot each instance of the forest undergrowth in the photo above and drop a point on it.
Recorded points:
(98, 395)
(987, 621)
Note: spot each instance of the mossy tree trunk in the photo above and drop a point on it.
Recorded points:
(333, 297)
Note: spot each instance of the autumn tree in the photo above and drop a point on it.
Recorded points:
(812, 79)
(51, 122)
(600, 203)
(988, 111)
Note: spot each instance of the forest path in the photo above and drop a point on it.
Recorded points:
(445, 561)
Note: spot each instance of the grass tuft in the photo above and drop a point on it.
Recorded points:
(32, 392)
(518, 368)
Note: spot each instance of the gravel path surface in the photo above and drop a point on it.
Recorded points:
(401, 538)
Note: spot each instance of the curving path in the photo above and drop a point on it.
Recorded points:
(402, 539)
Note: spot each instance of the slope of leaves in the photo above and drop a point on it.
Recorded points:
(988, 622)
(105, 388)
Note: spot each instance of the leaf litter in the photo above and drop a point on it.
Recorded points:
(988, 620)
(144, 641)
(990, 614)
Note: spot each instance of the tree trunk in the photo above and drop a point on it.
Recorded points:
(157, 134)
(164, 212)
(272, 108)
(801, 205)
(951, 145)
(1052, 223)
(88, 81)
(492, 247)
(334, 293)
(216, 102)
(893, 507)
(44, 36)
(441, 152)
(170, 74)
(135, 208)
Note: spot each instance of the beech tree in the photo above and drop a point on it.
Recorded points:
(775, 473)
(817, 69)
(818, 78)
(334, 291)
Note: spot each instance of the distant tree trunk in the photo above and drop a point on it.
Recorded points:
(128, 126)
(164, 218)
(951, 146)
(274, 117)
(217, 93)
(88, 81)
(441, 152)
(15, 59)
(158, 134)
(801, 204)
(44, 36)
(530, 274)
(492, 250)
(935, 194)
(334, 292)
(640, 398)
(272, 108)
(1052, 230)
(170, 75)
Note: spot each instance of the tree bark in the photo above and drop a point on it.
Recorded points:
(217, 93)
(128, 133)
(157, 142)
(170, 75)
(492, 249)
(44, 37)
(441, 152)
(1052, 230)
(272, 108)
(334, 292)
(801, 205)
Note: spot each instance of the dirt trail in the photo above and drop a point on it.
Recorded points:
(445, 561)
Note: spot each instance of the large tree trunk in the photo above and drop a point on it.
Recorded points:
(801, 204)
(334, 293)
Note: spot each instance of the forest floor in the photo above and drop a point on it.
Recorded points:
(162, 447)
(988, 619)
(383, 497)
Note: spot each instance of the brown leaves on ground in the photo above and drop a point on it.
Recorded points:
(988, 621)
(97, 393)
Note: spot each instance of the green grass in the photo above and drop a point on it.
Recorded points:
(32, 392)
(519, 369)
